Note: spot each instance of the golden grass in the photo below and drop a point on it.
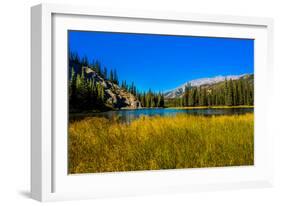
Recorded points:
(149, 143)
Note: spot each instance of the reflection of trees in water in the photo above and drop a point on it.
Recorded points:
(130, 115)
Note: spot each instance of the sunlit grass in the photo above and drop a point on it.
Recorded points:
(182, 141)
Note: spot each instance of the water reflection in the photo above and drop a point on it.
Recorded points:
(130, 115)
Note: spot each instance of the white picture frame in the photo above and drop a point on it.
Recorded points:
(49, 179)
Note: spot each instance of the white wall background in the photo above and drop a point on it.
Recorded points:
(15, 100)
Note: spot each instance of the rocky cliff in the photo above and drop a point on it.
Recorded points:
(115, 96)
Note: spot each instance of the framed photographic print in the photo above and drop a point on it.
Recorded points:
(137, 102)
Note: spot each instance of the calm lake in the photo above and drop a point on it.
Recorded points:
(129, 115)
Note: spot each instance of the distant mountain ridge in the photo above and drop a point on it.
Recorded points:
(179, 91)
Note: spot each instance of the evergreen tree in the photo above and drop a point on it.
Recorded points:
(115, 77)
(85, 61)
(191, 98)
(186, 95)
(97, 67)
(162, 101)
(111, 76)
(229, 96)
(202, 96)
(72, 89)
(224, 100)
(143, 100)
(104, 73)
(159, 100)
(241, 91)
(208, 99)
(235, 94)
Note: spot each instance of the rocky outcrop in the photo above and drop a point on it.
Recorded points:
(115, 96)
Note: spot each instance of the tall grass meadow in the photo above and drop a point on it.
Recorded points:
(98, 144)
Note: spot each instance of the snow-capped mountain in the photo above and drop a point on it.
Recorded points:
(177, 92)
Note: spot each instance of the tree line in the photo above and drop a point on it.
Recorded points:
(110, 75)
(229, 93)
(151, 99)
(147, 99)
(87, 94)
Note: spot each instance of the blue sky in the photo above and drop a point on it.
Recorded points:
(162, 62)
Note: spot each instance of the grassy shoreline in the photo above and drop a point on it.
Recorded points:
(214, 107)
(152, 143)
(78, 115)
